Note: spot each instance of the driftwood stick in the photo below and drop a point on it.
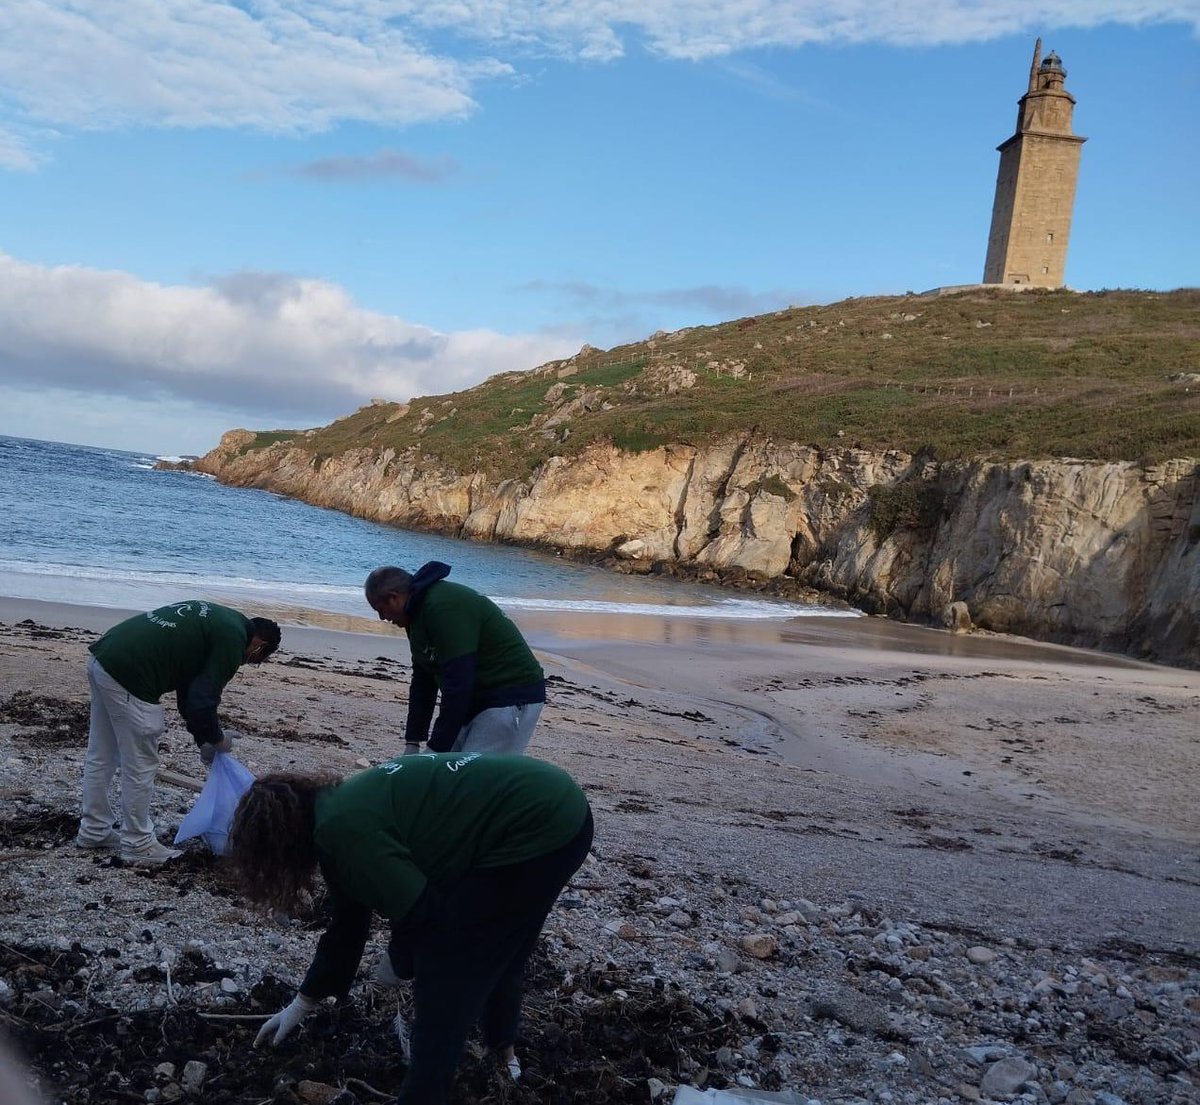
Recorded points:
(367, 1087)
(236, 1016)
(74, 1026)
(179, 779)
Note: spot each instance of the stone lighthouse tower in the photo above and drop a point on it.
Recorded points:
(1035, 188)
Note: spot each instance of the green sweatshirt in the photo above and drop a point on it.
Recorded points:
(166, 649)
(453, 621)
(382, 834)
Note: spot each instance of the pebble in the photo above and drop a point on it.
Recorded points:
(981, 955)
(194, 1074)
(727, 961)
(761, 945)
(315, 1093)
(1006, 1076)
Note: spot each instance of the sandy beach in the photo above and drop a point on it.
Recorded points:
(1039, 801)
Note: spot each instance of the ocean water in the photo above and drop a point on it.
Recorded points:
(103, 527)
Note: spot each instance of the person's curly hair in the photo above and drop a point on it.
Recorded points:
(271, 846)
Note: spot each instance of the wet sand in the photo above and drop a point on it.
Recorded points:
(997, 722)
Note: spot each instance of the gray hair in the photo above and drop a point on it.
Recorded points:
(387, 581)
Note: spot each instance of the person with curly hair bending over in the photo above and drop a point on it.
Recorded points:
(463, 854)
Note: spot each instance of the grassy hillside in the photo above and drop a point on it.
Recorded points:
(980, 373)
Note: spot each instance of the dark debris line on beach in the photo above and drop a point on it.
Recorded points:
(594, 1038)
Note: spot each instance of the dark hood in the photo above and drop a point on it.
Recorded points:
(424, 578)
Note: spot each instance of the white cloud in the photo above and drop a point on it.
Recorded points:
(96, 64)
(695, 29)
(308, 64)
(288, 350)
(15, 152)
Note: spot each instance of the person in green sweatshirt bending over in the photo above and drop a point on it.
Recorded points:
(464, 646)
(192, 648)
(465, 855)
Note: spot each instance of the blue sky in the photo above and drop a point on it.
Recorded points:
(267, 213)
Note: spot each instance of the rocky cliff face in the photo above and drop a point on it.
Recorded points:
(1096, 554)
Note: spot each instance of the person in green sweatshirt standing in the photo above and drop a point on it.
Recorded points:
(465, 855)
(192, 648)
(463, 646)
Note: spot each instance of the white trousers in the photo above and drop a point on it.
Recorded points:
(123, 733)
(500, 729)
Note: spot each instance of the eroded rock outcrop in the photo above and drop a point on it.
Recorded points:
(1096, 554)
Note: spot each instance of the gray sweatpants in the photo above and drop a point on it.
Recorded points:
(123, 732)
(505, 729)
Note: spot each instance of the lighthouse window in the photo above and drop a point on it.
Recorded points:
(1049, 238)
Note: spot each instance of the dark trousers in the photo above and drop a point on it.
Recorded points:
(474, 969)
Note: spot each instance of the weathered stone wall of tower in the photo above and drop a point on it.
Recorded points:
(1002, 213)
(1031, 216)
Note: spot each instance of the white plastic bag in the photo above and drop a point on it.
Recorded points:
(212, 814)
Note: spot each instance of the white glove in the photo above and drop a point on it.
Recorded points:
(412, 748)
(285, 1021)
(209, 749)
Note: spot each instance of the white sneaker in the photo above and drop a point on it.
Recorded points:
(384, 974)
(110, 843)
(150, 855)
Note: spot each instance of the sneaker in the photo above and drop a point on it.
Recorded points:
(110, 843)
(150, 855)
(384, 974)
(513, 1066)
(387, 973)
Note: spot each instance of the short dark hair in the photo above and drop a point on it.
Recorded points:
(268, 632)
(387, 581)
